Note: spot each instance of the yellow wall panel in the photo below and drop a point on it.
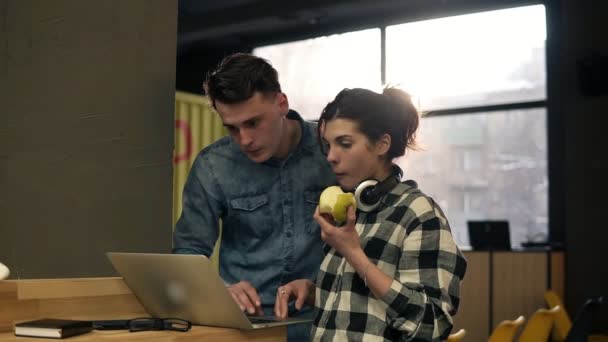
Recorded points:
(196, 126)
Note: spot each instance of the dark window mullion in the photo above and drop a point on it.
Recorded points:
(490, 108)
(383, 55)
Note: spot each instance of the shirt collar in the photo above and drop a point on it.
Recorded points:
(393, 196)
(307, 141)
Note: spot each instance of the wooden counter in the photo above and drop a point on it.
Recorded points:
(502, 285)
(197, 333)
(99, 299)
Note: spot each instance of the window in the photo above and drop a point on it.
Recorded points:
(470, 60)
(492, 162)
(313, 71)
(480, 77)
(500, 173)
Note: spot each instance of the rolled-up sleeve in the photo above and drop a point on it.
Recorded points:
(426, 291)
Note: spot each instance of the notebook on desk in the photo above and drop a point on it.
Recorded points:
(187, 287)
(489, 235)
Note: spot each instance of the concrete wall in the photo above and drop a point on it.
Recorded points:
(86, 133)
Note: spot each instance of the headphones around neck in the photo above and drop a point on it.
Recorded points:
(369, 192)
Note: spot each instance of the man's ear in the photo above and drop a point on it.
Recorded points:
(283, 103)
(383, 144)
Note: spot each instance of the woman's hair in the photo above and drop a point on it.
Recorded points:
(238, 77)
(391, 112)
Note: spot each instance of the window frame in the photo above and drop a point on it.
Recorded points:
(554, 125)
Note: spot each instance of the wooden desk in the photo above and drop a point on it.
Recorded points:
(98, 299)
(503, 285)
(197, 333)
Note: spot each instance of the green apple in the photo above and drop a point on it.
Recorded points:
(334, 201)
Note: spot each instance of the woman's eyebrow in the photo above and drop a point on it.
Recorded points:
(343, 137)
(338, 138)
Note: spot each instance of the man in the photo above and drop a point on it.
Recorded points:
(263, 182)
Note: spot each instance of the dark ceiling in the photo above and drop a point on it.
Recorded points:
(209, 30)
(254, 22)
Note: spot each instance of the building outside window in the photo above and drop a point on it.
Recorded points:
(313, 71)
(480, 80)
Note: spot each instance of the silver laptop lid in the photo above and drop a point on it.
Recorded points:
(179, 286)
(187, 287)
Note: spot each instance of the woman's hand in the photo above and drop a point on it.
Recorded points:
(303, 290)
(344, 239)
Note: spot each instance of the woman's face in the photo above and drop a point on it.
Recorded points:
(352, 156)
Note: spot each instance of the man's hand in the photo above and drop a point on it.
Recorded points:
(246, 297)
(302, 289)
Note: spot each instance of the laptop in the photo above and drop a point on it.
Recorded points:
(489, 235)
(186, 287)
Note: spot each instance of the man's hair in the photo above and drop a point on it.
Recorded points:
(238, 77)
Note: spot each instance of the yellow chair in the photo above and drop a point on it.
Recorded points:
(563, 323)
(539, 326)
(457, 336)
(505, 330)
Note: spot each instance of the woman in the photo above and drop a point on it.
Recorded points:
(393, 271)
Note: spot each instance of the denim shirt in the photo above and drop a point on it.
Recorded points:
(268, 234)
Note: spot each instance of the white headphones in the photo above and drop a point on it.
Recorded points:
(369, 192)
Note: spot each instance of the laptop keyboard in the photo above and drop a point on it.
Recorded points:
(259, 320)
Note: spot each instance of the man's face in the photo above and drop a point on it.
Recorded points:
(256, 124)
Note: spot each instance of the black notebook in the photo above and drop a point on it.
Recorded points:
(52, 328)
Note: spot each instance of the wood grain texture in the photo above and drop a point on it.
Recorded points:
(100, 298)
(558, 280)
(79, 298)
(520, 281)
(8, 290)
(475, 298)
(197, 333)
(75, 287)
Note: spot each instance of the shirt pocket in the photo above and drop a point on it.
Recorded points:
(311, 200)
(252, 215)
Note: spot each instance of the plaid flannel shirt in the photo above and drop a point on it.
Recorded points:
(409, 239)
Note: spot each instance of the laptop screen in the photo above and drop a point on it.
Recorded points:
(489, 235)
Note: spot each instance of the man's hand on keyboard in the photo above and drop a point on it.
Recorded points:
(246, 296)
